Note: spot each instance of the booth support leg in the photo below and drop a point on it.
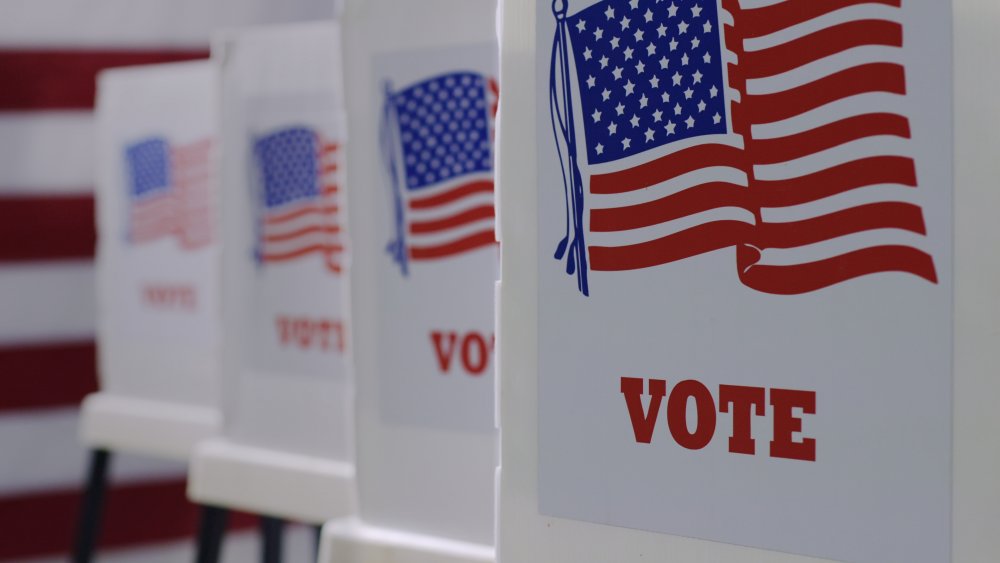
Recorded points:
(89, 526)
(272, 532)
(210, 532)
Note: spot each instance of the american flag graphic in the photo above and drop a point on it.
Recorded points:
(437, 139)
(170, 191)
(779, 130)
(299, 213)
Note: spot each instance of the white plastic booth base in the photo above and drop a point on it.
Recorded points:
(155, 428)
(264, 481)
(351, 541)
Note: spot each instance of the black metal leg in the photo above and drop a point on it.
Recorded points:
(319, 539)
(89, 526)
(272, 530)
(210, 531)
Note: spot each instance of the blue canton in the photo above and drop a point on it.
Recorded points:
(444, 129)
(650, 73)
(149, 165)
(288, 166)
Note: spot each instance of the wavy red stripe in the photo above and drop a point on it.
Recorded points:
(465, 244)
(457, 220)
(815, 46)
(884, 215)
(688, 202)
(451, 195)
(321, 248)
(667, 167)
(784, 149)
(678, 246)
(770, 19)
(812, 276)
(312, 209)
(842, 178)
(330, 230)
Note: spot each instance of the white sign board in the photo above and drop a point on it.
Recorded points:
(157, 259)
(744, 271)
(421, 101)
(287, 384)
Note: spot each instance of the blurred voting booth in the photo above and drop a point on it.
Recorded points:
(745, 258)
(421, 98)
(285, 450)
(157, 269)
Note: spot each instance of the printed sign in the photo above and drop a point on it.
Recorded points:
(745, 276)
(298, 322)
(436, 281)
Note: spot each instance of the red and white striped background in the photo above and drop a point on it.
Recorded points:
(50, 51)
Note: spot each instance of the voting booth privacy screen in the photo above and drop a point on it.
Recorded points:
(157, 216)
(285, 232)
(422, 95)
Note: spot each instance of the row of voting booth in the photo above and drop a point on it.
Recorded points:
(714, 281)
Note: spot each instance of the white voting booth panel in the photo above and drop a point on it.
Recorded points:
(744, 307)
(157, 261)
(422, 92)
(285, 448)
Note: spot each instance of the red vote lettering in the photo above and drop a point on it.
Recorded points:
(305, 334)
(473, 347)
(786, 424)
(742, 398)
(643, 422)
(677, 406)
(169, 296)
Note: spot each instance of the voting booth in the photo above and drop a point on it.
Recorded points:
(422, 95)
(748, 274)
(157, 270)
(285, 450)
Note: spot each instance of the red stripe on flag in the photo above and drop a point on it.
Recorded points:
(812, 276)
(815, 46)
(451, 195)
(667, 167)
(48, 227)
(471, 242)
(688, 202)
(678, 246)
(49, 375)
(885, 215)
(838, 179)
(453, 221)
(64, 79)
(322, 248)
(305, 210)
(758, 22)
(44, 523)
(330, 230)
(783, 149)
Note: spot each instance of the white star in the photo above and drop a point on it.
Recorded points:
(620, 108)
(648, 15)
(628, 53)
(661, 31)
(614, 42)
(588, 54)
(649, 135)
(688, 93)
(596, 115)
(599, 149)
(717, 118)
(683, 27)
(598, 33)
(685, 59)
(626, 143)
(634, 4)
(672, 10)
(677, 78)
(629, 88)
(673, 44)
(677, 109)
(634, 121)
(654, 82)
(606, 94)
(670, 127)
(664, 62)
(643, 101)
(701, 106)
(639, 34)
(625, 22)
(617, 72)
(695, 43)
(713, 91)
(697, 76)
(651, 49)
(690, 122)
(696, 11)
(640, 68)
(665, 96)
(604, 62)
(657, 116)
(707, 27)
(591, 81)
(610, 12)
(707, 58)
(581, 25)
(613, 128)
